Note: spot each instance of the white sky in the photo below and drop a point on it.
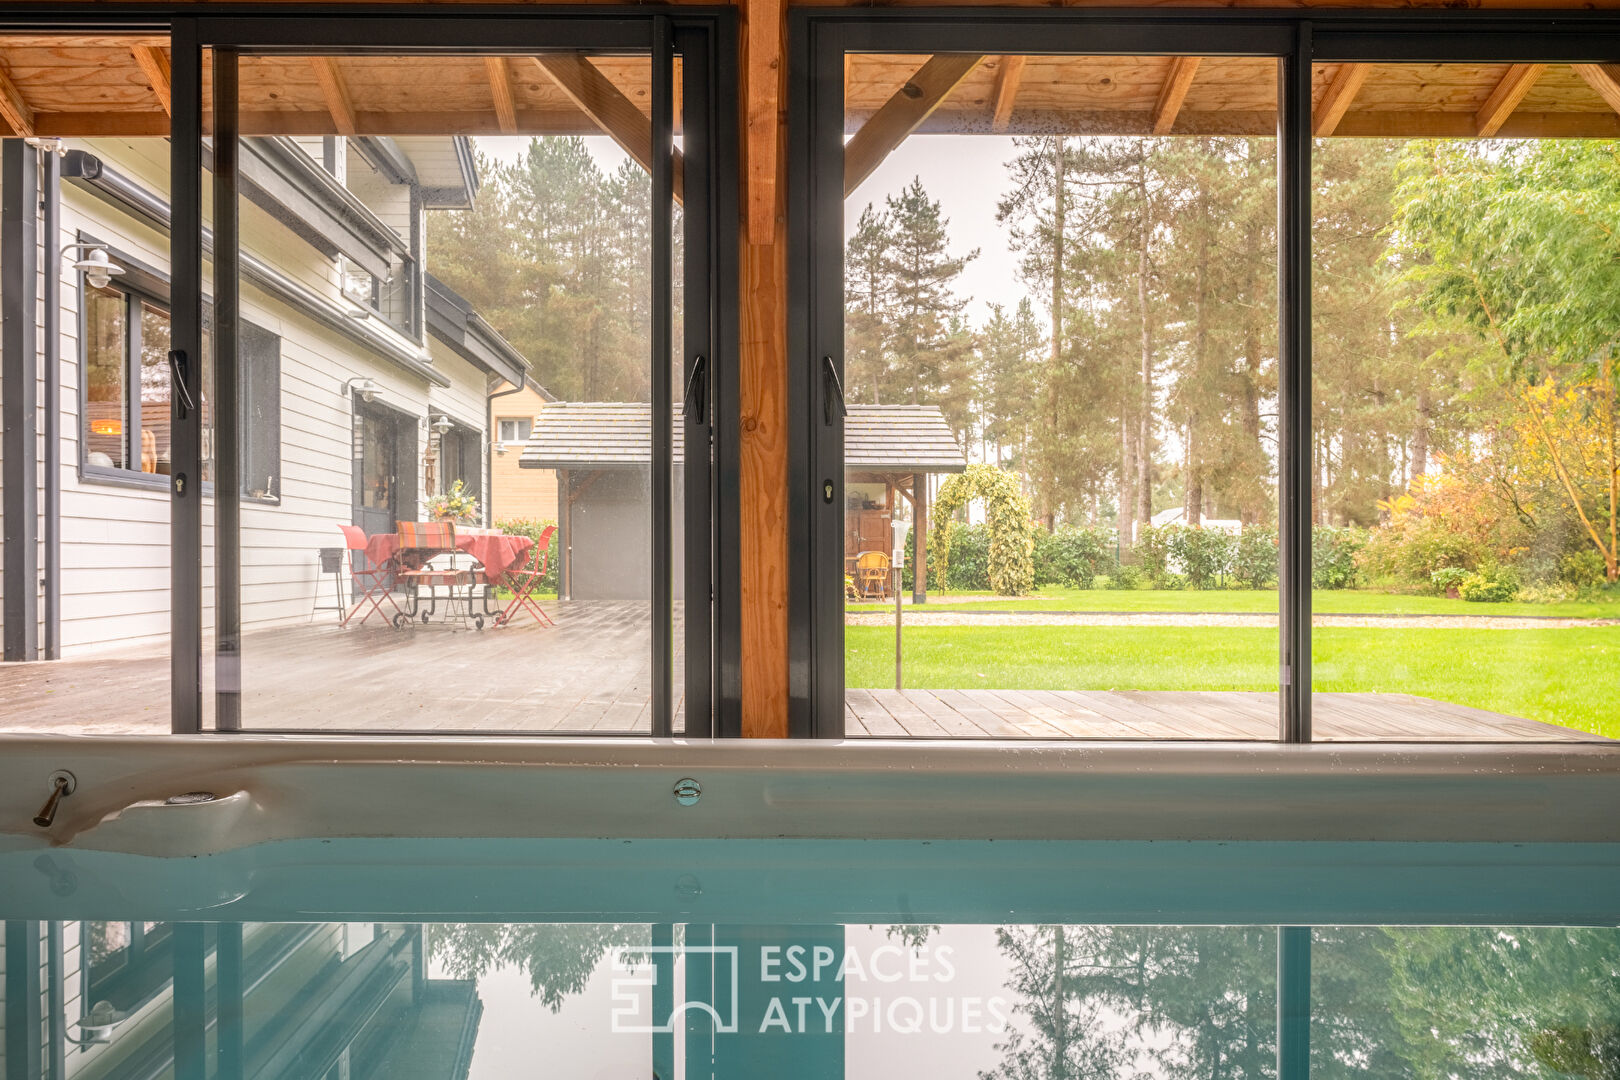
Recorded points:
(967, 175)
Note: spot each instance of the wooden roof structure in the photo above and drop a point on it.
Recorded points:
(112, 85)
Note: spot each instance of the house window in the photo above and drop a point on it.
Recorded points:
(515, 429)
(126, 346)
(127, 432)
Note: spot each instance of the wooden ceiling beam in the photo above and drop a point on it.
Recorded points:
(762, 113)
(1337, 97)
(903, 113)
(336, 93)
(1173, 93)
(616, 115)
(13, 109)
(1512, 88)
(154, 63)
(1604, 78)
(500, 89)
(1008, 76)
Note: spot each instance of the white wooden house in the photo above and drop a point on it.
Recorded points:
(364, 382)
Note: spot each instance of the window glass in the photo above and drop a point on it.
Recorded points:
(155, 388)
(1464, 402)
(1060, 377)
(106, 379)
(515, 429)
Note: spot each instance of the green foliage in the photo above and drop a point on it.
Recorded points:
(532, 528)
(1334, 554)
(969, 566)
(1254, 562)
(1491, 585)
(1582, 569)
(1152, 551)
(1125, 577)
(1447, 578)
(1011, 569)
(1203, 556)
(1073, 555)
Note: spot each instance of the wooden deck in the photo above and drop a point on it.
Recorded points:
(590, 674)
(1159, 714)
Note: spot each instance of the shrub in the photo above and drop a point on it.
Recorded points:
(1125, 577)
(1583, 569)
(1203, 555)
(1449, 577)
(1494, 585)
(969, 565)
(1254, 560)
(1333, 556)
(1010, 566)
(1072, 556)
(1152, 551)
(532, 528)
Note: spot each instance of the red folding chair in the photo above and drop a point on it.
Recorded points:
(523, 582)
(372, 582)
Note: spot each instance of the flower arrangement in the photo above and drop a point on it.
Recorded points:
(457, 504)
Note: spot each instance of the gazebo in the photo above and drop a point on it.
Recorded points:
(895, 448)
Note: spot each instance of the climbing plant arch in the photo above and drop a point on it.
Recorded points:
(1012, 532)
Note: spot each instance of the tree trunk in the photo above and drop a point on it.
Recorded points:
(1059, 217)
(1144, 437)
(1195, 475)
(1127, 466)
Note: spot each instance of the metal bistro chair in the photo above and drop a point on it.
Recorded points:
(369, 585)
(421, 544)
(523, 580)
(872, 575)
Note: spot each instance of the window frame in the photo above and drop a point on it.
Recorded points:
(501, 438)
(706, 41)
(818, 40)
(145, 284)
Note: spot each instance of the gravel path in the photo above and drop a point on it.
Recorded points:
(913, 617)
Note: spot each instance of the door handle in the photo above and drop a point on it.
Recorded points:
(833, 389)
(695, 405)
(178, 370)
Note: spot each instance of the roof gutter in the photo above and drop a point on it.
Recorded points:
(88, 172)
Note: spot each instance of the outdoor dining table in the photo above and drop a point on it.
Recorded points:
(496, 552)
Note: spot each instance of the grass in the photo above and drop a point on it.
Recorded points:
(1326, 601)
(1564, 676)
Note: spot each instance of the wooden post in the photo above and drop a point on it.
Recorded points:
(763, 451)
(565, 536)
(919, 539)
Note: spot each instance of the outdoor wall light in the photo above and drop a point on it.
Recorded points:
(440, 424)
(93, 263)
(98, 1025)
(366, 387)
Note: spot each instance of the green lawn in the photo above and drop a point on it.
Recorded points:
(1327, 601)
(1565, 676)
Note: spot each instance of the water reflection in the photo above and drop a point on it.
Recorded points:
(469, 1001)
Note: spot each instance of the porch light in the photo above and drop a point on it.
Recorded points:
(94, 264)
(366, 387)
(440, 424)
(98, 1024)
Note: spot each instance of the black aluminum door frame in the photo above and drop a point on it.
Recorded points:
(818, 40)
(706, 42)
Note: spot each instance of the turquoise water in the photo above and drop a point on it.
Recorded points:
(599, 960)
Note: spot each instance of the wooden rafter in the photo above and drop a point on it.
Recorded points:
(903, 113)
(500, 88)
(1173, 93)
(1337, 97)
(1604, 78)
(336, 93)
(612, 112)
(154, 64)
(762, 113)
(1008, 76)
(13, 108)
(1512, 88)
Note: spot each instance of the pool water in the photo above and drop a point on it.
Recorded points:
(349, 960)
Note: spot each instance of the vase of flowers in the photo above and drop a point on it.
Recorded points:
(457, 504)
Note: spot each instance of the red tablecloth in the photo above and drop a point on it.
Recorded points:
(497, 552)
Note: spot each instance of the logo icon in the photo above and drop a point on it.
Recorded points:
(640, 972)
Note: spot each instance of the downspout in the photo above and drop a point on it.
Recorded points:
(489, 443)
(51, 182)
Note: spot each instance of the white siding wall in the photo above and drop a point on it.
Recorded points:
(115, 540)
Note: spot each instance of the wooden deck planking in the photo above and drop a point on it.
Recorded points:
(1202, 715)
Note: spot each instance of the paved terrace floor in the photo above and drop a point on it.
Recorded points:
(590, 673)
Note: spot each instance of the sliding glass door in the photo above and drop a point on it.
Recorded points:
(403, 252)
